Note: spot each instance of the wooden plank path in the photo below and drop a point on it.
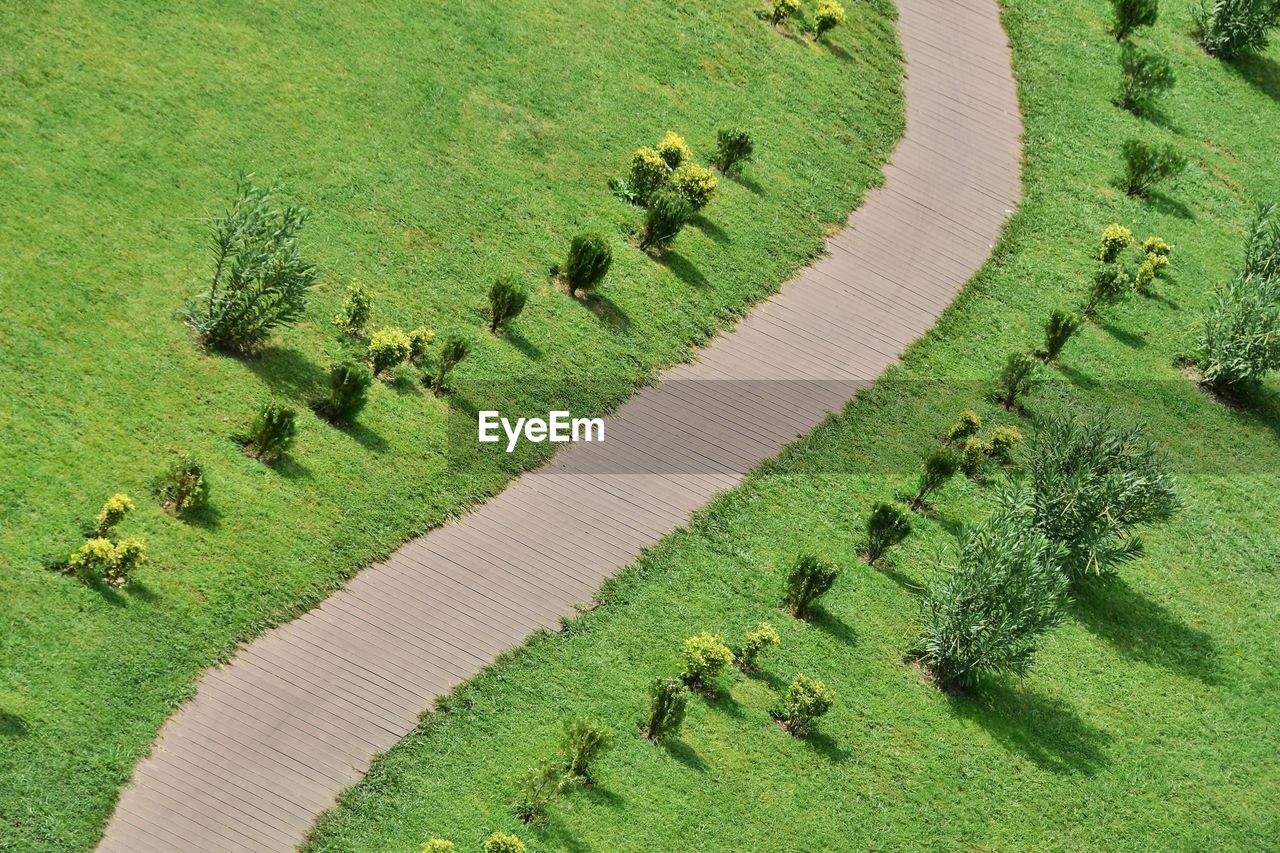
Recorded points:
(271, 739)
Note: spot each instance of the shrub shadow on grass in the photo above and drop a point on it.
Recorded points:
(11, 725)
(1140, 629)
(711, 229)
(1259, 71)
(286, 371)
(207, 517)
(682, 269)
(1167, 205)
(552, 831)
(1081, 380)
(825, 745)
(722, 700)
(685, 754)
(749, 184)
(836, 50)
(517, 339)
(607, 310)
(1124, 336)
(366, 438)
(833, 626)
(1043, 728)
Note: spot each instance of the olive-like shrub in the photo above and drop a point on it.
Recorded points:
(674, 151)
(507, 298)
(1239, 341)
(349, 383)
(1145, 75)
(1131, 15)
(587, 263)
(754, 643)
(1262, 245)
(183, 486)
(806, 700)
(696, 183)
(272, 433)
(666, 216)
(1228, 28)
(501, 842)
(1111, 284)
(536, 789)
(705, 657)
(733, 148)
(1147, 164)
(388, 348)
(887, 525)
(668, 700)
(827, 17)
(356, 310)
(939, 466)
(649, 173)
(810, 578)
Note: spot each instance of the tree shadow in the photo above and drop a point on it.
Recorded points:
(711, 229)
(836, 50)
(826, 746)
(1168, 205)
(553, 832)
(1078, 379)
(685, 754)
(291, 469)
(749, 184)
(1124, 336)
(832, 625)
(206, 517)
(139, 590)
(366, 438)
(722, 700)
(11, 725)
(1139, 629)
(1043, 728)
(404, 380)
(604, 796)
(903, 581)
(517, 339)
(1259, 71)
(607, 310)
(684, 270)
(286, 371)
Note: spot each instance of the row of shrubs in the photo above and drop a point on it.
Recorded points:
(1224, 28)
(827, 15)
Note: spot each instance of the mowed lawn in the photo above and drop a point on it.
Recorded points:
(1151, 720)
(436, 146)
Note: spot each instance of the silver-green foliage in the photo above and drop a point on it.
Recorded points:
(1240, 340)
(1228, 28)
(1262, 245)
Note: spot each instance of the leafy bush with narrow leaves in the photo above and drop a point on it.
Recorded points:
(356, 310)
(588, 262)
(887, 526)
(536, 789)
(260, 279)
(649, 173)
(810, 578)
(1145, 75)
(1019, 376)
(674, 151)
(388, 348)
(781, 11)
(667, 214)
(1058, 329)
(183, 487)
(806, 700)
(754, 643)
(705, 656)
(419, 341)
(507, 298)
(1115, 239)
(272, 433)
(1110, 285)
(1239, 342)
(939, 466)
(668, 701)
(1003, 440)
(501, 842)
(1090, 485)
(453, 350)
(733, 148)
(1147, 164)
(696, 183)
(967, 423)
(1228, 28)
(113, 512)
(583, 743)
(1262, 245)
(349, 383)
(827, 17)
(438, 845)
(1131, 15)
(989, 613)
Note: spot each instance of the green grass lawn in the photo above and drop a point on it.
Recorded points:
(1151, 720)
(436, 146)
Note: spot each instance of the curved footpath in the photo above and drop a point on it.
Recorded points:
(272, 738)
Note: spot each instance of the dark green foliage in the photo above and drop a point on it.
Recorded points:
(806, 700)
(349, 383)
(733, 148)
(507, 298)
(260, 280)
(809, 579)
(988, 614)
(1262, 245)
(668, 701)
(1018, 377)
(1145, 74)
(538, 787)
(453, 349)
(273, 432)
(1090, 484)
(582, 745)
(1110, 285)
(183, 487)
(1146, 165)
(1228, 28)
(1058, 329)
(588, 262)
(1129, 15)
(668, 212)
(887, 525)
(1239, 342)
(939, 466)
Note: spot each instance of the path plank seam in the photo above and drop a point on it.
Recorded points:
(271, 738)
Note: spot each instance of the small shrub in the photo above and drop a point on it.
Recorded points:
(273, 432)
(649, 173)
(588, 262)
(438, 845)
(696, 183)
(1130, 15)
(782, 11)
(1110, 285)
(967, 424)
(807, 699)
(183, 486)
(1156, 246)
(507, 298)
(355, 310)
(1150, 269)
(113, 512)
(1058, 329)
(733, 148)
(674, 151)
(388, 348)
(754, 644)
(453, 350)
(809, 579)
(988, 614)
(939, 466)
(1145, 75)
(583, 743)
(260, 279)
(667, 214)
(538, 786)
(887, 526)
(974, 455)
(501, 842)
(1146, 165)
(100, 559)
(349, 383)
(419, 342)
(1003, 440)
(1115, 239)
(1239, 342)
(669, 699)
(705, 656)
(827, 17)
(1228, 28)
(1262, 245)
(1018, 377)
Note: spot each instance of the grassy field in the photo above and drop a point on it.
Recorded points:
(1151, 721)
(435, 146)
